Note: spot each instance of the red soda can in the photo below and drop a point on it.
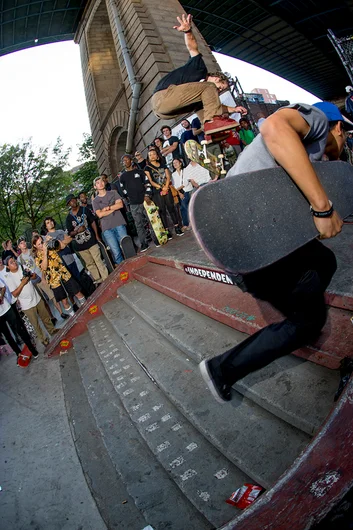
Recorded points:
(244, 496)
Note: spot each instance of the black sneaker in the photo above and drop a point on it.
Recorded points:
(220, 391)
(54, 321)
(169, 235)
(179, 231)
(143, 248)
(64, 316)
(35, 355)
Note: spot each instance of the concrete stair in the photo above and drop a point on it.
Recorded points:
(166, 447)
(243, 312)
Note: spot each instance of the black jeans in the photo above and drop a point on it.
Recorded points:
(164, 203)
(18, 327)
(296, 286)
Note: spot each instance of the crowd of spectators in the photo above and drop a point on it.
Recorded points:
(42, 281)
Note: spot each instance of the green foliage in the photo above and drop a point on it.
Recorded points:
(86, 149)
(88, 171)
(33, 184)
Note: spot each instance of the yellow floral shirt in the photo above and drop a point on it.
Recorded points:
(56, 270)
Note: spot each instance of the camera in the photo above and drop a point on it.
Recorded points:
(27, 273)
(53, 244)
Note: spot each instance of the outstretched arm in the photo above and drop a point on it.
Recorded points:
(283, 133)
(185, 26)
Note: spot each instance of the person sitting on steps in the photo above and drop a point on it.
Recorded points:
(180, 92)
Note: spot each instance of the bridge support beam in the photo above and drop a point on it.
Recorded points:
(155, 49)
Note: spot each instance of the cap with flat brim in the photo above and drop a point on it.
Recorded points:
(69, 198)
(333, 113)
(20, 239)
(7, 259)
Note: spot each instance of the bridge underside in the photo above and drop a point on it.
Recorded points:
(285, 37)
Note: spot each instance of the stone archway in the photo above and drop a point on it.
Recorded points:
(117, 146)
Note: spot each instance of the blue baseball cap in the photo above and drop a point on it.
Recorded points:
(332, 113)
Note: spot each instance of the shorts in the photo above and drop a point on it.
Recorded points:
(43, 287)
(71, 286)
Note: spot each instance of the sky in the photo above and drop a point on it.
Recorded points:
(42, 94)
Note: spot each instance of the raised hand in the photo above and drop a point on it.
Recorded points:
(242, 110)
(184, 23)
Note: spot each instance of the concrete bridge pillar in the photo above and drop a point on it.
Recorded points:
(155, 49)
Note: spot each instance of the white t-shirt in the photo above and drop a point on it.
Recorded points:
(28, 297)
(8, 294)
(178, 179)
(5, 306)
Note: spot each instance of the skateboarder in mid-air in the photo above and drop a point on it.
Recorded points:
(293, 137)
(180, 92)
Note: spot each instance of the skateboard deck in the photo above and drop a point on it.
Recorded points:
(194, 151)
(249, 221)
(106, 258)
(156, 222)
(127, 247)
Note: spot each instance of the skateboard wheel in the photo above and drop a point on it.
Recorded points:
(223, 172)
(207, 161)
(221, 156)
(204, 142)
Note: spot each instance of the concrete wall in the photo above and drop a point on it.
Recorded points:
(155, 49)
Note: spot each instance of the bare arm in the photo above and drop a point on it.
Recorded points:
(167, 182)
(169, 149)
(95, 230)
(185, 26)
(109, 209)
(18, 290)
(283, 133)
(44, 264)
(153, 184)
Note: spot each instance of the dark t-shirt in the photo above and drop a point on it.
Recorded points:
(196, 124)
(187, 135)
(132, 184)
(84, 217)
(192, 72)
(176, 153)
(157, 174)
(7, 253)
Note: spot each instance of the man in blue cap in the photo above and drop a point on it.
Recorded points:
(293, 137)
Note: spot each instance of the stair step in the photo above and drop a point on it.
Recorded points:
(235, 429)
(241, 311)
(148, 485)
(299, 392)
(203, 474)
(105, 484)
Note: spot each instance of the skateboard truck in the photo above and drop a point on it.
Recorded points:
(221, 163)
(206, 160)
(204, 143)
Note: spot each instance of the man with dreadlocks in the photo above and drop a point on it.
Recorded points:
(180, 92)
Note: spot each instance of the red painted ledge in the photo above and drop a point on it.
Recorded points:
(77, 324)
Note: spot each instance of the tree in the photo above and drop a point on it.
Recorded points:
(10, 205)
(33, 184)
(36, 179)
(88, 171)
